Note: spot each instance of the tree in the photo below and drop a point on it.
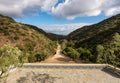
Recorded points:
(100, 54)
(85, 54)
(110, 53)
(9, 56)
(114, 49)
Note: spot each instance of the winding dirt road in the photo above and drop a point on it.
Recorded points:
(58, 57)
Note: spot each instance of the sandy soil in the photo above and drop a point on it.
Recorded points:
(61, 76)
(58, 57)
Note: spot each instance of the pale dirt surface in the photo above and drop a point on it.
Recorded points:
(58, 57)
(61, 76)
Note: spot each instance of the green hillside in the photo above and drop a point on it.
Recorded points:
(29, 39)
(96, 34)
(103, 36)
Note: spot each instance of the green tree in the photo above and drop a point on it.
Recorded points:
(100, 54)
(114, 50)
(110, 53)
(85, 54)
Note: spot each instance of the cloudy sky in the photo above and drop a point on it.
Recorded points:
(59, 16)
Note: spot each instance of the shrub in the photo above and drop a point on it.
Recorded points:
(41, 55)
(6, 32)
(16, 38)
(31, 57)
(30, 46)
(9, 56)
(69, 51)
(20, 47)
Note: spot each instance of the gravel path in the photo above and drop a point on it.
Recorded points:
(61, 76)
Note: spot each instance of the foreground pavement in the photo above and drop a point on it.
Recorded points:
(62, 73)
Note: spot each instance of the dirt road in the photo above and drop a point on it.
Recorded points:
(58, 57)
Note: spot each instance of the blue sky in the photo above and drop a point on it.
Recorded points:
(60, 16)
(47, 19)
(52, 24)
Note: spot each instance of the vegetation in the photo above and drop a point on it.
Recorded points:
(9, 56)
(27, 43)
(28, 38)
(100, 33)
(55, 37)
(41, 55)
(98, 43)
(63, 43)
(85, 54)
(78, 54)
(100, 52)
(71, 53)
(110, 53)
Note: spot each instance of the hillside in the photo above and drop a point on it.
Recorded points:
(27, 38)
(98, 43)
(100, 33)
(55, 37)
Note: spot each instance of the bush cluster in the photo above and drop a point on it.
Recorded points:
(78, 54)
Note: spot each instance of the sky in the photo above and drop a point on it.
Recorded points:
(59, 16)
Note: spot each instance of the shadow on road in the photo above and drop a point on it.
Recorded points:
(110, 71)
(33, 77)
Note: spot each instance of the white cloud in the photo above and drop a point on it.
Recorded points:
(71, 9)
(18, 8)
(63, 29)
